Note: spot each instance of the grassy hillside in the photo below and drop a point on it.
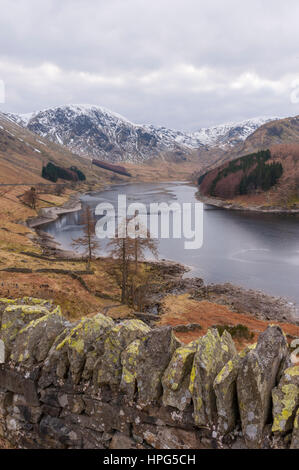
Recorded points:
(283, 131)
(268, 178)
(278, 132)
(23, 154)
(243, 176)
(24, 271)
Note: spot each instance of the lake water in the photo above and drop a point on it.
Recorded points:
(259, 251)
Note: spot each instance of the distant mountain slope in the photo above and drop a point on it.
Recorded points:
(95, 132)
(267, 178)
(231, 134)
(277, 132)
(245, 175)
(92, 131)
(23, 153)
(282, 131)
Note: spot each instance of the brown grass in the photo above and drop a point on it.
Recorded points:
(182, 310)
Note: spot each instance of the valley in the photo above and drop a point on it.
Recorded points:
(24, 152)
(242, 280)
(95, 132)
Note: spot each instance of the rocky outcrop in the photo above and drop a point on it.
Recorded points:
(226, 396)
(109, 367)
(155, 352)
(286, 400)
(102, 384)
(295, 436)
(256, 379)
(212, 354)
(176, 378)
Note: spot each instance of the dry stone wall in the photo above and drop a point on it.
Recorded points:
(103, 384)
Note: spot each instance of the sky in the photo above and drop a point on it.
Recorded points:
(182, 64)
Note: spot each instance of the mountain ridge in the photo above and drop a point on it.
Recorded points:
(95, 132)
(223, 178)
(23, 154)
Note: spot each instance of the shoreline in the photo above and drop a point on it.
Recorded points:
(46, 215)
(221, 204)
(50, 214)
(48, 242)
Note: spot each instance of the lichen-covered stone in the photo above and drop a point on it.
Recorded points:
(82, 339)
(24, 301)
(3, 304)
(108, 369)
(36, 301)
(295, 435)
(56, 364)
(154, 354)
(152, 375)
(286, 400)
(212, 354)
(129, 358)
(34, 341)
(175, 380)
(15, 318)
(286, 363)
(294, 358)
(256, 379)
(226, 395)
(246, 350)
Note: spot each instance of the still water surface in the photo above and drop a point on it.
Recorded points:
(259, 251)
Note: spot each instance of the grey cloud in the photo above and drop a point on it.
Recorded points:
(170, 62)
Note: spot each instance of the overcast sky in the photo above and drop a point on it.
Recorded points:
(183, 64)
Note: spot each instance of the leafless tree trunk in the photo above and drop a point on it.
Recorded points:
(88, 241)
(128, 251)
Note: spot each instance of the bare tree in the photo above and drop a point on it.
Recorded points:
(88, 241)
(30, 197)
(121, 249)
(129, 251)
(143, 245)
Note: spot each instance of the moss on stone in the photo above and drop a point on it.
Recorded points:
(287, 405)
(36, 301)
(292, 371)
(7, 301)
(27, 309)
(224, 372)
(246, 350)
(180, 364)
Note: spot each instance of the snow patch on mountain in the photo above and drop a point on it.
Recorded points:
(95, 132)
(230, 133)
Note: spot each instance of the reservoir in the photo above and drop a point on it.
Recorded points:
(253, 250)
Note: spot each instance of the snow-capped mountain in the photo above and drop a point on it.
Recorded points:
(93, 131)
(229, 134)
